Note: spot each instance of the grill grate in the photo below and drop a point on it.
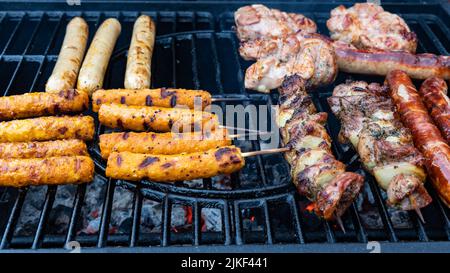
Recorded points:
(203, 56)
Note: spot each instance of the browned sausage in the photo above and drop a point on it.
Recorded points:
(426, 135)
(433, 92)
(65, 72)
(47, 128)
(42, 104)
(95, 63)
(167, 168)
(54, 148)
(162, 97)
(46, 171)
(162, 143)
(139, 61)
(377, 62)
(159, 119)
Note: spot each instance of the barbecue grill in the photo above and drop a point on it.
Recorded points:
(257, 210)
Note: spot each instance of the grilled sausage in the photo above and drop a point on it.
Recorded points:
(374, 62)
(433, 92)
(159, 119)
(46, 171)
(168, 168)
(69, 147)
(139, 61)
(162, 97)
(94, 66)
(426, 135)
(42, 104)
(162, 143)
(66, 69)
(47, 128)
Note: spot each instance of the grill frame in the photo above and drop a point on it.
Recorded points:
(233, 234)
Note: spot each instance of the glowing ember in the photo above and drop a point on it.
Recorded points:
(310, 207)
(188, 211)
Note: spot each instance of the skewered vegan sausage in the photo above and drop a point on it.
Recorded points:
(162, 97)
(46, 171)
(41, 104)
(426, 135)
(69, 147)
(139, 61)
(167, 168)
(94, 66)
(162, 143)
(160, 119)
(433, 92)
(64, 75)
(47, 128)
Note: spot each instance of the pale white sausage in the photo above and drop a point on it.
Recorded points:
(65, 72)
(139, 62)
(94, 66)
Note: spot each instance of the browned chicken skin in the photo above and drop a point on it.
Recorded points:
(283, 45)
(257, 21)
(311, 58)
(368, 25)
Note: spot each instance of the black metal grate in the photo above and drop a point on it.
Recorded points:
(204, 56)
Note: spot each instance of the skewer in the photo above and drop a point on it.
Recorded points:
(250, 134)
(339, 222)
(229, 99)
(419, 213)
(265, 152)
(237, 128)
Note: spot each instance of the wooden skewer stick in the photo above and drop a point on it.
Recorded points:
(265, 152)
(239, 129)
(419, 213)
(250, 134)
(228, 99)
(339, 222)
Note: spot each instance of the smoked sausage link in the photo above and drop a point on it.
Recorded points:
(426, 135)
(433, 92)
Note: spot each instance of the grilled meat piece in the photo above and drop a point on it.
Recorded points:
(257, 21)
(315, 171)
(284, 44)
(367, 25)
(384, 145)
(314, 61)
